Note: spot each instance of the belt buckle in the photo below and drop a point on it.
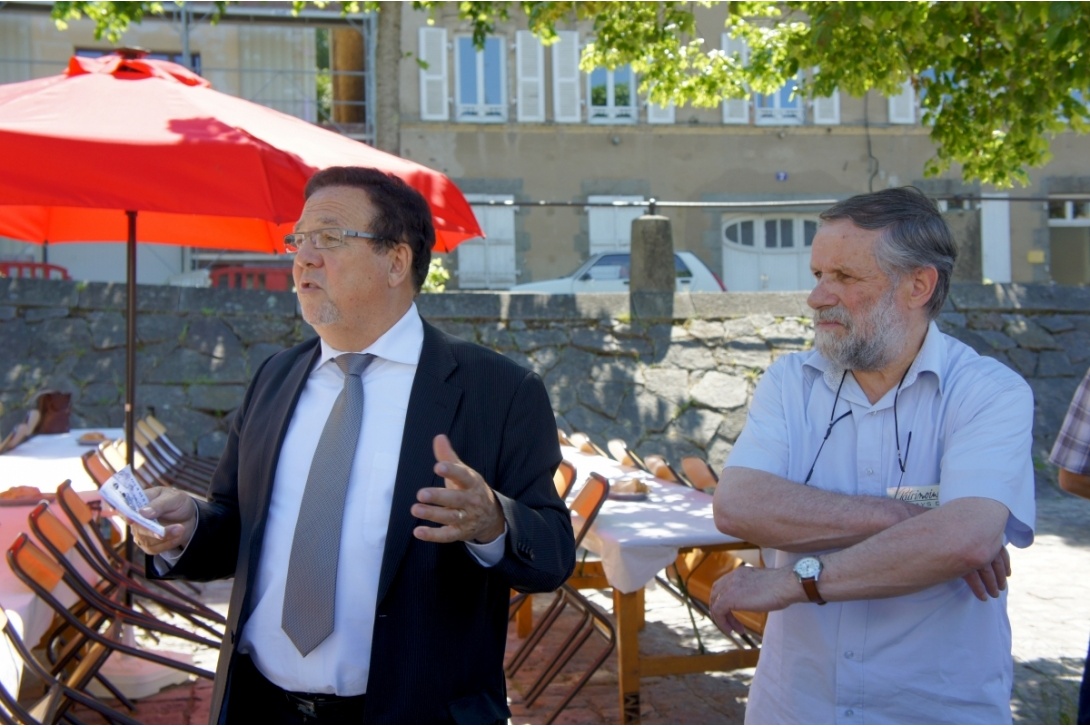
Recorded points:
(306, 707)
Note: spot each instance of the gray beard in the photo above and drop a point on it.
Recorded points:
(869, 345)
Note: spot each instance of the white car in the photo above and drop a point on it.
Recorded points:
(608, 272)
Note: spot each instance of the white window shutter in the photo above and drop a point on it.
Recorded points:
(489, 263)
(566, 78)
(735, 110)
(827, 109)
(433, 79)
(902, 107)
(530, 69)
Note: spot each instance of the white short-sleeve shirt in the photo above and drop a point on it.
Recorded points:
(938, 655)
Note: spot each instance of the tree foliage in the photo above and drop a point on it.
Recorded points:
(997, 80)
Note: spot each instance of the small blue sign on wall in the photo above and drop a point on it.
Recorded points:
(781, 176)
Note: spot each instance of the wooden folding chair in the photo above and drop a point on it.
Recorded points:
(63, 544)
(700, 473)
(585, 444)
(97, 466)
(104, 541)
(657, 465)
(160, 436)
(103, 620)
(690, 579)
(564, 478)
(170, 472)
(59, 694)
(587, 503)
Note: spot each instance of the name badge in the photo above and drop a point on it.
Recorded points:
(922, 495)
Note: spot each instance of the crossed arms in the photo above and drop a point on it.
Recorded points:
(887, 547)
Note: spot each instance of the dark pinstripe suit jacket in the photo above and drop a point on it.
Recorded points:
(441, 623)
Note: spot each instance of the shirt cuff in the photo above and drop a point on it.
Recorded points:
(488, 554)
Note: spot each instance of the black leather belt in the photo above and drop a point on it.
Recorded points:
(327, 707)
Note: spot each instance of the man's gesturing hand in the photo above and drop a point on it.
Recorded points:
(175, 511)
(466, 508)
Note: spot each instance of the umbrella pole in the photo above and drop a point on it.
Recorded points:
(130, 340)
(130, 372)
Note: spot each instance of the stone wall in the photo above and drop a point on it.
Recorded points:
(675, 388)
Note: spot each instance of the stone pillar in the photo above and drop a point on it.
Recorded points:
(652, 282)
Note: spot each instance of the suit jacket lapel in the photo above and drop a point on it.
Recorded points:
(275, 415)
(432, 405)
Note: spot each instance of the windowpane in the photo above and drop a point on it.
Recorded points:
(747, 233)
(770, 233)
(493, 72)
(599, 87)
(1080, 209)
(622, 86)
(681, 270)
(787, 233)
(809, 229)
(731, 233)
(467, 71)
(1057, 210)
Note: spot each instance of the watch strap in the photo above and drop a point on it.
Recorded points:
(810, 586)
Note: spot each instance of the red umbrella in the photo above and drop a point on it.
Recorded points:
(123, 140)
(202, 168)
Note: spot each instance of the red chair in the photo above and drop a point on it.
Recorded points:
(42, 271)
(252, 277)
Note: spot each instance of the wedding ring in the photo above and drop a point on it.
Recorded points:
(461, 515)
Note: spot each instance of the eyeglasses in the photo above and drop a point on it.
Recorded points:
(325, 238)
(833, 419)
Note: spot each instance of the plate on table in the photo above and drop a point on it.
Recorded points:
(91, 439)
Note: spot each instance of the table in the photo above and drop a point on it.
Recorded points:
(636, 540)
(46, 460)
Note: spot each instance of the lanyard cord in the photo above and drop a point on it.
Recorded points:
(832, 423)
(833, 419)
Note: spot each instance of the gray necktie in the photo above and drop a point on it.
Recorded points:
(312, 570)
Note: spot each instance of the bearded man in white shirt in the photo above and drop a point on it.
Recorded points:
(883, 473)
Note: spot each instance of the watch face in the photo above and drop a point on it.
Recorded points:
(808, 568)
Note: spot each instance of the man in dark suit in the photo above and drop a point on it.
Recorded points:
(449, 502)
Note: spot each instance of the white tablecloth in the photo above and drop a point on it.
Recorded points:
(46, 460)
(636, 540)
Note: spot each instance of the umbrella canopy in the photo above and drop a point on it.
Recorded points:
(124, 147)
(202, 168)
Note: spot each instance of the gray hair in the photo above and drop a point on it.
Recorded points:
(914, 235)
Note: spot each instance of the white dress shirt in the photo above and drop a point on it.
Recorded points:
(340, 664)
(937, 655)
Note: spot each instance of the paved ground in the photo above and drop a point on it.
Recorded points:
(1049, 607)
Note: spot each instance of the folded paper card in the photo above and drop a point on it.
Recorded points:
(125, 495)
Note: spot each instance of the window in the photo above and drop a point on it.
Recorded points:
(782, 107)
(480, 81)
(735, 110)
(902, 107)
(771, 233)
(1069, 212)
(612, 95)
(610, 228)
(489, 263)
(768, 252)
